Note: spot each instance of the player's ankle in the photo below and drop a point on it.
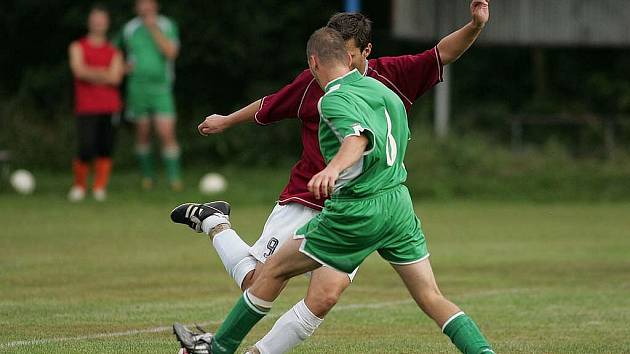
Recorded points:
(218, 229)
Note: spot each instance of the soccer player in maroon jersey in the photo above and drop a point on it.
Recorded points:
(409, 76)
(97, 67)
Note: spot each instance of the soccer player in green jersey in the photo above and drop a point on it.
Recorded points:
(151, 42)
(363, 137)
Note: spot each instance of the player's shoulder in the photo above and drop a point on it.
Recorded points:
(335, 98)
(304, 76)
(166, 22)
(131, 26)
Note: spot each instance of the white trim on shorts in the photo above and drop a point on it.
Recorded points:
(412, 262)
(305, 252)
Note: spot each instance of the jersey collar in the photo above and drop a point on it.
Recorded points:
(348, 77)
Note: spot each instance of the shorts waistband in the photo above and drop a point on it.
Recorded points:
(369, 196)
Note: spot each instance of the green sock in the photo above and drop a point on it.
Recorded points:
(466, 336)
(238, 323)
(171, 163)
(145, 160)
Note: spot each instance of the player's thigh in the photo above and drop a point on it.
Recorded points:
(165, 128)
(419, 279)
(288, 262)
(143, 131)
(280, 226)
(105, 137)
(325, 289)
(87, 130)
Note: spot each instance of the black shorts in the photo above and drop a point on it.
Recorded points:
(95, 136)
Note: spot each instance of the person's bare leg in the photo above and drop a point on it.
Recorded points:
(420, 281)
(143, 151)
(279, 268)
(301, 321)
(165, 127)
(461, 329)
(258, 299)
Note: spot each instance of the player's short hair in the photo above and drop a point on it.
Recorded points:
(328, 45)
(99, 7)
(352, 25)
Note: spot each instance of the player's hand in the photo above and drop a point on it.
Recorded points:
(212, 125)
(480, 11)
(323, 183)
(150, 21)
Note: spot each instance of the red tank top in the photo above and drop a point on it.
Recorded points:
(96, 98)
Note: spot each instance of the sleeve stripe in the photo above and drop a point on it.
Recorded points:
(304, 96)
(439, 62)
(258, 111)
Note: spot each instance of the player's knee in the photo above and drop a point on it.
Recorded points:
(249, 279)
(275, 270)
(322, 301)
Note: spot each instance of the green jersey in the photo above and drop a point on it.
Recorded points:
(355, 105)
(143, 53)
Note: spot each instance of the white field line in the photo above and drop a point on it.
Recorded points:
(26, 343)
(375, 305)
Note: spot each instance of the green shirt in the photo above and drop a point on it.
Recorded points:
(355, 105)
(143, 53)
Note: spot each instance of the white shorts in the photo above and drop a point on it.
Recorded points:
(281, 225)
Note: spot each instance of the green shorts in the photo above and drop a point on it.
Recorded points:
(348, 230)
(146, 100)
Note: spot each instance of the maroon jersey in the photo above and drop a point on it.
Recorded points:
(409, 76)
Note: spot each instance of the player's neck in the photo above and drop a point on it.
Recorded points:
(334, 73)
(96, 39)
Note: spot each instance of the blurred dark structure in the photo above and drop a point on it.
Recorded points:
(232, 55)
(537, 25)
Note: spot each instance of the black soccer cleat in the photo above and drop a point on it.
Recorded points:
(194, 343)
(193, 214)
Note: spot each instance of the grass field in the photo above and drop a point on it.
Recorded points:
(111, 278)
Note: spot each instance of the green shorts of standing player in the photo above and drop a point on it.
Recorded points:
(151, 44)
(363, 137)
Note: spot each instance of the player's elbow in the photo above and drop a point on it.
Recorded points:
(171, 52)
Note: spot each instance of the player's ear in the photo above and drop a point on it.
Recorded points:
(349, 59)
(367, 51)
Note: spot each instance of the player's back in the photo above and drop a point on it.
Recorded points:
(371, 109)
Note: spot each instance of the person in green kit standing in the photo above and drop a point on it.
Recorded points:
(151, 43)
(363, 135)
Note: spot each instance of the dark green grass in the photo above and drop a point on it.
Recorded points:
(549, 278)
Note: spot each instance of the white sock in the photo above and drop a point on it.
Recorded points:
(290, 330)
(234, 254)
(212, 221)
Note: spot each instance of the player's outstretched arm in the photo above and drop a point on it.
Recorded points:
(455, 44)
(351, 150)
(217, 123)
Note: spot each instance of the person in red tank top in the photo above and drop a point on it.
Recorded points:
(97, 67)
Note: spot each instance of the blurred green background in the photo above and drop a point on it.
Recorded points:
(234, 52)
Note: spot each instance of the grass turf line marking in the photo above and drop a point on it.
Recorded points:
(375, 305)
(25, 343)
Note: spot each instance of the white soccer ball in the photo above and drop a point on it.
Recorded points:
(212, 183)
(23, 181)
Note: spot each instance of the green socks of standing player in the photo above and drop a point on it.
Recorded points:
(243, 317)
(172, 166)
(145, 160)
(465, 334)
